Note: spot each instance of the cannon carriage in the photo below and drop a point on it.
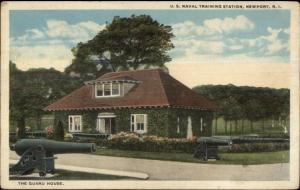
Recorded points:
(38, 154)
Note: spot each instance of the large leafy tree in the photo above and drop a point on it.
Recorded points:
(32, 90)
(126, 43)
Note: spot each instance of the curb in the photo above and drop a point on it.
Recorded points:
(138, 175)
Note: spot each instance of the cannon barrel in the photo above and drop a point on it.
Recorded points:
(214, 141)
(53, 147)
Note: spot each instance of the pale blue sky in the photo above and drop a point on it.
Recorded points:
(44, 38)
(20, 20)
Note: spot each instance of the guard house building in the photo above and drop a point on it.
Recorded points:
(143, 101)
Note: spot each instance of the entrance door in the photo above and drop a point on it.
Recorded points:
(106, 123)
(109, 125)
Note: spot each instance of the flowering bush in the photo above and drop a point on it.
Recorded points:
(49, 132)
(68, 136)
(134, 141)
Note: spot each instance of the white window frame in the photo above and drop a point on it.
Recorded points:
(103, 95)
(72, 126)
(133, 124)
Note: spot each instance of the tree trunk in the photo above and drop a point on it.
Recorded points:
(242, 126)
(251, 126)
(216, 126)
(279, 122)
(236, 126)
(21, 127)
(38, 121)
(226, 127)
(230, 128)
(263, 125)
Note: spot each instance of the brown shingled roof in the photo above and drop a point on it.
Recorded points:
(155, 89)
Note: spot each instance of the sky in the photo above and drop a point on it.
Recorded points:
(241, 47)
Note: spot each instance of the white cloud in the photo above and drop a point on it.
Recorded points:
(273, 34)
(50, 46)
(286, 30)
(46, 56)
(62, 29)
(211, 39)
(214, 26)
(276, 46)
(272, 44)
(35, 33)
(58, 30)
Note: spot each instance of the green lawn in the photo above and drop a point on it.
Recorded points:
(225, 158)
(71, 175)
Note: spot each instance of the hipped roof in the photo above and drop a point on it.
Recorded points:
(155, 88)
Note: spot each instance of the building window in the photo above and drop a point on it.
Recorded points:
(115, 89)
(75, 124)
(99, 91)
(107, 89)
(139, 123)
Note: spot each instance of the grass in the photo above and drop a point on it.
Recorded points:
(71, 175)
(225, 158)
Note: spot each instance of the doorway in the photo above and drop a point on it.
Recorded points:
(106, 123)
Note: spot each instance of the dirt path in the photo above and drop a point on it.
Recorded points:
(170, 170)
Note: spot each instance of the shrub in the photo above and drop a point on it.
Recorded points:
(59, 131)
(258, 147)
(134, 141)
(49, 132)
(68, 137)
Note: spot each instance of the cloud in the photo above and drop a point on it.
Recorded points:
(223, 37)
(47, 56)
(228, 24)
(192, 46)
(58, 31)
(50, 46)
(62, 29)
(214, 27)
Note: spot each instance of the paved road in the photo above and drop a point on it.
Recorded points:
(169, 170)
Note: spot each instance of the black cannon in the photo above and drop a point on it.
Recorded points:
(208, 147)
(38, 154)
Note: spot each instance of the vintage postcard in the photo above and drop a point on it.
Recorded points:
(149, 95)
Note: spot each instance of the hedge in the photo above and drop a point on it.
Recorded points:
(258, 147)
(133, 141)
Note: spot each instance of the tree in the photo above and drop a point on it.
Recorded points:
(59, 131)
(126, 43)
(17, 102)
(32, 90)
(231, 111)
(244, 102)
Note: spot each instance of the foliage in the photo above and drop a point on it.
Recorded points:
(133, 141)
(32, 90)
(59, 131)
(258, 147)
(244, 102)
(49, 132)
(125, 43)
(161, 121)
